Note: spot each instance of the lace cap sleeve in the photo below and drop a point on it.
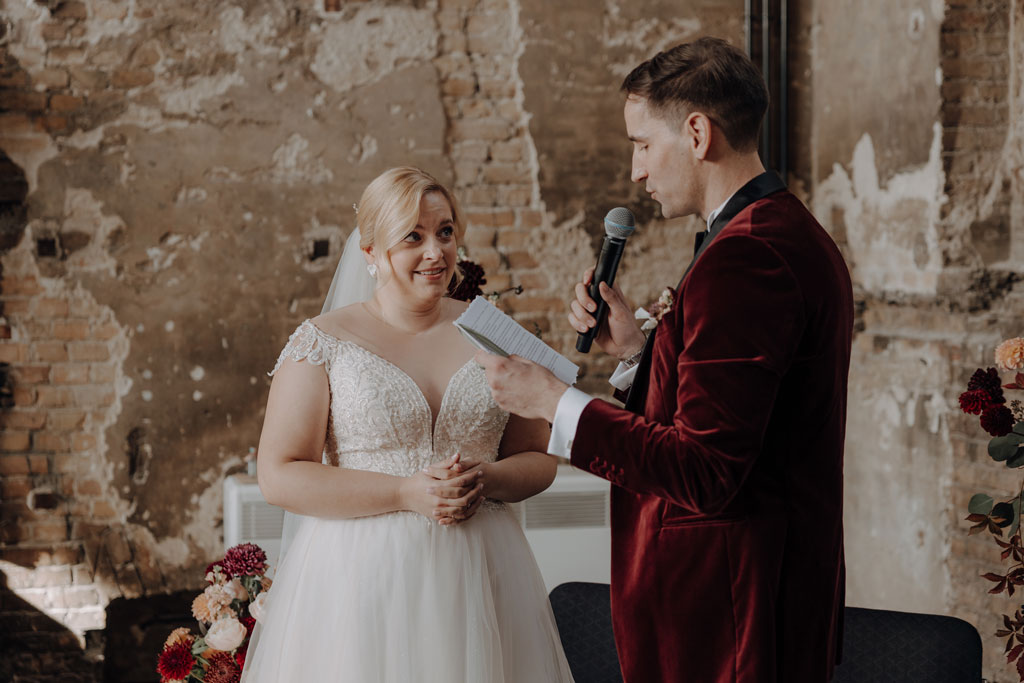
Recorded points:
(307, 343)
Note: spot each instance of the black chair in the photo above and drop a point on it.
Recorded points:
(897, 647)
(584, 616)
(879, 646)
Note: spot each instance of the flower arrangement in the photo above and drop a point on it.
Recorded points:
(227, 610)
(1005, 424)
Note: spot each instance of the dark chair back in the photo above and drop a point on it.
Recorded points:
(584, 616)
(879, 646)
(901, 647)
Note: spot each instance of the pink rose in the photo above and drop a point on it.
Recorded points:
(225, 634)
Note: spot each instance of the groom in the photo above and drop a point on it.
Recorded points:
(727, 462)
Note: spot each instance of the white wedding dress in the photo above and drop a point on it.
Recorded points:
(397, 598)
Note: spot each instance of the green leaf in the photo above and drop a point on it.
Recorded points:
(981, 504)
(1003, 448)
(1016, 460)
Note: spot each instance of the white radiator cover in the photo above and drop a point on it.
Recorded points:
(568, 528)
(248, 518)
(567, 525)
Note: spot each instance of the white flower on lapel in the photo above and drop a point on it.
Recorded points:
(653, 314)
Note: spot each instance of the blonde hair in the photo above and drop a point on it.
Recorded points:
(390, 207)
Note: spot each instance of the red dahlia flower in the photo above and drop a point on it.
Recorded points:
(222, 669)
(987, 381)
(997, 420)
(974, 402)
(246, 559)
(176, 661)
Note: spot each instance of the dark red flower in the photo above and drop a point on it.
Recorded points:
(248, 622)
(176, 661)
(245, 559)
(974, 402)
(240, 655)
(989, 382)
(997, 420)
(222, 669)
(469, 287)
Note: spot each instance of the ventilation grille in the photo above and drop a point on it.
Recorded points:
(260, 520)
(566, 509)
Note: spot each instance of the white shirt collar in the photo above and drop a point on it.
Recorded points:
(714, 214)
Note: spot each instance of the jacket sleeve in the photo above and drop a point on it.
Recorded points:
(742, 316)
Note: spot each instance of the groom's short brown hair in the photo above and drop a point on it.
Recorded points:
(710, 76)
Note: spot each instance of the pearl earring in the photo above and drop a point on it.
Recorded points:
(371, 268)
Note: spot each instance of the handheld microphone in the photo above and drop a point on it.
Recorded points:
(618, 225)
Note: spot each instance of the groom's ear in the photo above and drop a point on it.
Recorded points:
(697, 131)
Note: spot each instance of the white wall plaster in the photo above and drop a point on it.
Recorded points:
(374, 42)
(897, 483)
(293, 164)
(201, 530)
(238, 37)
(187, 97)
(642, 37)
(84, 213)
(892, 231)
(28, 148)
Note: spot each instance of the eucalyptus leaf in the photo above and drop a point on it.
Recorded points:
(1017, 460)
(981, 504)
(1003, 448)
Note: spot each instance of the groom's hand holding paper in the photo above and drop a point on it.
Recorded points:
(495, 332)
(527, 377)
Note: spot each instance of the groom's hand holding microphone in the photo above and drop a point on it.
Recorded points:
(619, 335)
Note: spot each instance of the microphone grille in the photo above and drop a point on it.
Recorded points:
(619, 222)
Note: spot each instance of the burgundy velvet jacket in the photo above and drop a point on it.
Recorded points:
(727, 515)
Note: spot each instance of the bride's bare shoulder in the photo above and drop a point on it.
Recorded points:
(342, 322)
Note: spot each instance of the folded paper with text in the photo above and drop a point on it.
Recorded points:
(495, 332)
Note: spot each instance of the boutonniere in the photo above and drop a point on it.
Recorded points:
(654, 312)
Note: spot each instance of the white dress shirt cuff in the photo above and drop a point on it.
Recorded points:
(622, 378)
(567, 417)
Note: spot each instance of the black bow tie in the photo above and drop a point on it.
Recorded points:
(698, 239)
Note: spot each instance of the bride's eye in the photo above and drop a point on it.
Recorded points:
(447, 231)
(412, 237)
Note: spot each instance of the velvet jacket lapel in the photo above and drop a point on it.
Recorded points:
(757, 188)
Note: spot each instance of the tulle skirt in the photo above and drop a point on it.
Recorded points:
(396, 598)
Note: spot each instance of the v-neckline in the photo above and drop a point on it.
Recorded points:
(419, 391)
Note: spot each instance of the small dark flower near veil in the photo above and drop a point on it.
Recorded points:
(468, 287)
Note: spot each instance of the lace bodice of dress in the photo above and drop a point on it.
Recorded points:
(380, 420)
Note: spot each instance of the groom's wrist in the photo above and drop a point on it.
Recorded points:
(633, 358)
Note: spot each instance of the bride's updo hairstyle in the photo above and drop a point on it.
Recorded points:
(390, 208)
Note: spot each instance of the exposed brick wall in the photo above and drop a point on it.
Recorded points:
(81, 526)
(975, 62)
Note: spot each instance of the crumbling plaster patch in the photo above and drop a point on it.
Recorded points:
(892, 229)
(898, 481)
(374, 41)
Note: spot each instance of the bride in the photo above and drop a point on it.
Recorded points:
(406, 565)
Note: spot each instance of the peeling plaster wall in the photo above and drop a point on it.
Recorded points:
(181, 161)
(914, 154)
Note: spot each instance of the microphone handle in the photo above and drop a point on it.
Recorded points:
(607, 264)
